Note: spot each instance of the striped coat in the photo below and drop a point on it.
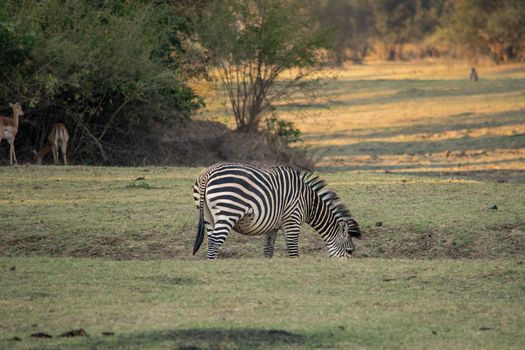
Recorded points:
(260, 201)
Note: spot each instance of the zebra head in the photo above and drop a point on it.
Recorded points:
(343, 245)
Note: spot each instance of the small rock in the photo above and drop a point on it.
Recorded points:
(434, 332)
(379, 223)
(75, 333)
(494, 207)
(41, 335)
(12, 268)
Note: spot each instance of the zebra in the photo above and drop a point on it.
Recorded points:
(259, 201)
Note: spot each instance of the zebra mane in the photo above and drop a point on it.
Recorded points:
(327, 196)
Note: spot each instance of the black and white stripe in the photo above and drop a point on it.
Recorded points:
(255, 201)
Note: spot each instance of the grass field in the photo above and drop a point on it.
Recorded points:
(431, 166)
(63, 229)
(424, 118)
(252, 303)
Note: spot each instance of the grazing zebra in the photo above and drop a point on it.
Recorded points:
(255, 201)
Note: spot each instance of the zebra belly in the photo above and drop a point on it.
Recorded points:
(248, 226)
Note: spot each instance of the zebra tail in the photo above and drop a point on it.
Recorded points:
(200, 231)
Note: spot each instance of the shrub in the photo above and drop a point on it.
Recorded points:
(108, 69)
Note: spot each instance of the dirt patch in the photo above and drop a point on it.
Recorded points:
(240, 338)
(41, 335)
(28, 239)
(405, 242)
(412, 243)
(511, 236)
(502, 240)
(74, 333)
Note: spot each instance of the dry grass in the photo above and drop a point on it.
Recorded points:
(414, 117)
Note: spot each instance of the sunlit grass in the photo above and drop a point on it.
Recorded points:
(426, 116)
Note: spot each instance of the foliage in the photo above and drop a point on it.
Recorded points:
(474, 27)
(283, 128)
(351, 25)
(485, 27)
(397, 23)
(108, 69)
(252, 44)
(357, 25)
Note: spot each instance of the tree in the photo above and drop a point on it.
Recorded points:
(108, 69)
(350, 23)
(487, 28)
(254, 44)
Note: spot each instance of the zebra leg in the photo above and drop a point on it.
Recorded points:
(291, 235)
(269, 244)
(217, 236)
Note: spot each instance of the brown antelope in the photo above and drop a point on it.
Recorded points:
(9, 129)
(58, 137)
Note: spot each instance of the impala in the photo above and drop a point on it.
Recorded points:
(57, 138)
(9, 129)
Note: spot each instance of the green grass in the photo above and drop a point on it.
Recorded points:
(174, 300)
(103, 212)
(254, 303)
(423, 156)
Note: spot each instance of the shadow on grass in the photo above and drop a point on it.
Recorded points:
(406, 167)
(462, 140)
(409, 90)
(454, 122)
(213, 338)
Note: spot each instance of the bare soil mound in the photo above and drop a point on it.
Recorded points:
(200, 143)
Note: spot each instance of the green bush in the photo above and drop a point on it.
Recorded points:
(108, 69)
(284, 129)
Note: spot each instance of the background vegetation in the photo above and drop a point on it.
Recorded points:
(108, 69)
(408, 29)
(119, 74)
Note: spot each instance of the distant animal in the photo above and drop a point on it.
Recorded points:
(260, 201)
(9, 129)
(57, 139)
(474, 74)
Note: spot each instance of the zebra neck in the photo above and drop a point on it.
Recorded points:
(321, 218)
